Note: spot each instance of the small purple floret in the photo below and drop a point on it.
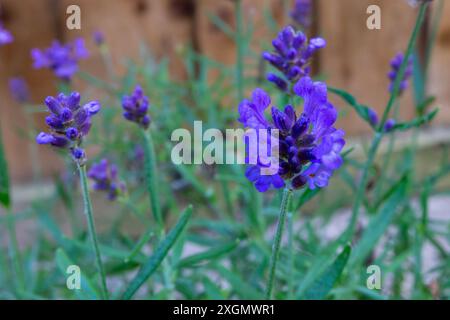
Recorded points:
(106, 179)
(309, 144)
(62, 59)
(135, 108)
(69, 123)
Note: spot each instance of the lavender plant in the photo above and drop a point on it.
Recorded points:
(5, 36)
(254, 235)
(69, 124)
(62, 59)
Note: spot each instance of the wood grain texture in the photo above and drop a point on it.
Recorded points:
(357, 59)
(32, 25)
(439, 76)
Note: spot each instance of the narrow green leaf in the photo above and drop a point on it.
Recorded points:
(87, 291)
(5, 199)
(211, 254)
(378, 225)
(417, 122)
(307, 195)
(418, 80)
(423, 106)
(328, 279)
(361, 110)
(160, 253)
(212, 290)
(239, 285)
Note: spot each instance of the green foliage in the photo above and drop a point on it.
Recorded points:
(150, 266)
(4, 177)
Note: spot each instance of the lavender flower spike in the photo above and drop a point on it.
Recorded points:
(19, 89)
(302, 13)
(5, 36)
(135, 107)
(292, 56)
(63, 60)
(105, 178)
(69, 123)
(396, 63)
(309, 145)
(99, 38)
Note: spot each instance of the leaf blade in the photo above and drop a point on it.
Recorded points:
(160, 253)
(326, 282)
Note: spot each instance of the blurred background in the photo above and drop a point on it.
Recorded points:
(356, 59)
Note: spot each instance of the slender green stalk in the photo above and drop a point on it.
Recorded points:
(14, 251)
(432, 37)
(387, 157)
(240, 50)
(380, 133)
(91, 226)
(150, 174)
(287, 193)
(401, 73)
(290, 253)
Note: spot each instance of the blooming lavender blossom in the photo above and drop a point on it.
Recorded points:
(415, 3)
(301, 13)
(389, 125)
(135, 107)
(5, 36)
(396, 63)
(309, 144)
(373, 117)
(106, 179)
(62, 59)
(99, 38)
(292, 56)
(69, 123)
(19, 89)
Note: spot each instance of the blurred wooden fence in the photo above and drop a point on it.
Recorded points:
(356, 59)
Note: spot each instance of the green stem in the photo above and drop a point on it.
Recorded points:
(150, 175)
(239, 50)
(401, 73)
(14, 250)
(290, 254)
(379, 134)
(91, 226)
(277, 241)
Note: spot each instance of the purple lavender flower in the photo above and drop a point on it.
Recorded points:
(415, 3)
(373, 117)
(135, 107)
(309, 144)
(99, 38)
(396, 63)
(106, 179)
(5, 36)
(69, 123)
(301, 13)
(389, 125)
(19, 89)
(62, 59)
(292, 56)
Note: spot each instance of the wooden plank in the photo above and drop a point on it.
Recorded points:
(164, 26)
(439, 76)
(215, 44)
(357, 59)
(32, 26)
